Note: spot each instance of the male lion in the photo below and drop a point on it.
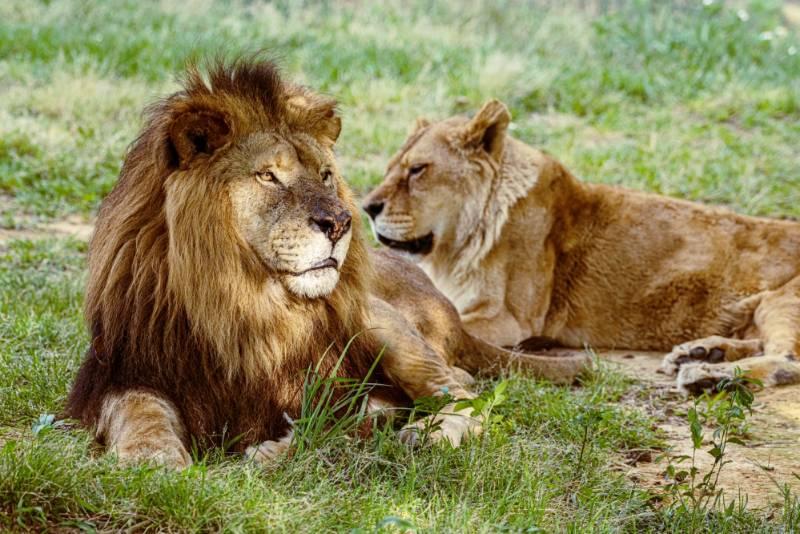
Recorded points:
(225, 264)
(524, 249)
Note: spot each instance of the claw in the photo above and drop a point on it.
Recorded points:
(698, 353)
(716, 355)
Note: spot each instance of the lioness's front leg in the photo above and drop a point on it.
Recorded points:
(412, 364)
(142, 426)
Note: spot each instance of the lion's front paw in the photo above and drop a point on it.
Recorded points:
(697, 378)
(462, 376)
(452, 427)
(269, 450)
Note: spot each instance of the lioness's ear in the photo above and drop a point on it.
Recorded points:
(197, 131)
(421, 123)
(487, 128)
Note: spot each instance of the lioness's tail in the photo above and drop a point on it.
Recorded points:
(480, 357)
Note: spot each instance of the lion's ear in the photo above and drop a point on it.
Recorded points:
(196, 132)
(487, 128)
(331, 125)
(316, 113)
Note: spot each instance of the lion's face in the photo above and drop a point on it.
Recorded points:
(286, 199)
(441, 167)
(286, 205)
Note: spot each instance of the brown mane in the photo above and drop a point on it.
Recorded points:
(178, 303)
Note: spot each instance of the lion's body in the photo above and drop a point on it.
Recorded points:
(528, 250)
(180, 307)
(224, 266)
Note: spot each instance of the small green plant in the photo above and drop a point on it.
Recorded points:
(484, 404)
(692, 492)
(394, 523)
(430, 405)
(44, 424)
(332, 405)
(588, 420)
(791, 508)
(481, 407)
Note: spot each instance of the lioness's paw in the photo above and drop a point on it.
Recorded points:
(714, 349)
(697, 378)
(268, 451)
(451, 427)
(694, 351)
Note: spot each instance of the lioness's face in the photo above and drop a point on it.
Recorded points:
(441, 168)
(418, 201)
(287, 206)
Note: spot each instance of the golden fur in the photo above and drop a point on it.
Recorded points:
(523, 249)
(224, 264)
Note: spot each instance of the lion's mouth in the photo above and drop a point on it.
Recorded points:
(328, 263)
(421, 245)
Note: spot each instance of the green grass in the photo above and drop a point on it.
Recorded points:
(701, 102)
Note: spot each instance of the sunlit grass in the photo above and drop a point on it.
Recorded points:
(683, 98)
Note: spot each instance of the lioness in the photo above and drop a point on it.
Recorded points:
(524, 249)
(225, 264)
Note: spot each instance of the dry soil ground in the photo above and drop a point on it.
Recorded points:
(769, 459)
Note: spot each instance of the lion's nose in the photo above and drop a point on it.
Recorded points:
(373, 209)
(333, 225)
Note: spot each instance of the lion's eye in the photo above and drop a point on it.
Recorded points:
(266, 176)
(417, 169)
(327, 175)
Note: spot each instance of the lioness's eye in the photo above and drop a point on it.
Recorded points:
(327, 175)
(417, 169)
(265, 176)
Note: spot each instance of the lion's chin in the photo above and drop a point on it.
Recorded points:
(313, 284)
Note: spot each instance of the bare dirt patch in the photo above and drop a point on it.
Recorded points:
(767, 461)
(69, 227)
(27, 226)
(72, 226)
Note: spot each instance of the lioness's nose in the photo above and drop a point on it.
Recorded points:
(333, 225)
(373, 209)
